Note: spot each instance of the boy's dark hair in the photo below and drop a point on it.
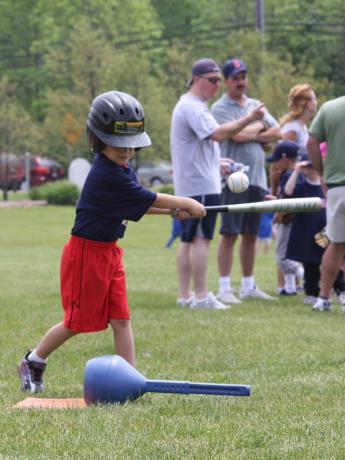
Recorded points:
(95, 144)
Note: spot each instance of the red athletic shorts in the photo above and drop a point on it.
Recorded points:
(93, 284)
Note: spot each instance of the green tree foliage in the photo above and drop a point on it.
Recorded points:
(56, 56)
(18, 133)
(270, 77)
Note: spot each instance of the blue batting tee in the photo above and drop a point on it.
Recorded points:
(111, 195)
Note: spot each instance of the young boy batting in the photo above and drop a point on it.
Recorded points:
(92, 277)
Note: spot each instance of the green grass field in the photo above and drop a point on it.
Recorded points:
(292, 357)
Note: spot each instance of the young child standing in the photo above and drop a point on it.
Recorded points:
(305, 182)
(282, 163)
(92, 277)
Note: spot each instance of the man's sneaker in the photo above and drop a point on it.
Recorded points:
(31, 374)
(227, 297)
(322, 304)
(209, 302)
(255, 293)
(283, 292)
(182, 302)
(309, 300)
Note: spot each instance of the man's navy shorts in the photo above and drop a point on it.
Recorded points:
(234, 223)
(203, 227)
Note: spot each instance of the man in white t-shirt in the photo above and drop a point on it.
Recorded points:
(195, 156)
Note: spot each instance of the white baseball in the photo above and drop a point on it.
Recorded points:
(238, 182)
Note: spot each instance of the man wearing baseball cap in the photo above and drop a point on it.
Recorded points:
(195, 156)
(245, 146)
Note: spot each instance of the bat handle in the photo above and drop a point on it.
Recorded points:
(170, 386)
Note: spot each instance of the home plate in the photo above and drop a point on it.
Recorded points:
(49, 403)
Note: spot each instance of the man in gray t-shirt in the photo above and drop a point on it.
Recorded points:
(195, 156)
(245, 147)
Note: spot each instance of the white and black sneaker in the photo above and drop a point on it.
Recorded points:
(31, 374)
(322, 304)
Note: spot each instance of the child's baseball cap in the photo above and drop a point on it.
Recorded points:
(117, 119)
(288, 149)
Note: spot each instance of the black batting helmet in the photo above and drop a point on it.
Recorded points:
(117, 119)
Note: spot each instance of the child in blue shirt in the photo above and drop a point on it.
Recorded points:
(305, 182)
(93, 288)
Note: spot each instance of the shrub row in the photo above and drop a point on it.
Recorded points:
(60, 193)
(64, 192)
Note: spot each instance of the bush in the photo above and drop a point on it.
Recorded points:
(166, 188)
(60, 192)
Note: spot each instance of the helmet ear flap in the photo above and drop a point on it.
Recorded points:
(95, 144)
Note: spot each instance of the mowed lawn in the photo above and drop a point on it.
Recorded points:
(292, 357)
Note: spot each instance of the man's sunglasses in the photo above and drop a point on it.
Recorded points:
(212, 80)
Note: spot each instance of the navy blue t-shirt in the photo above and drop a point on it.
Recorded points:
(111, 195)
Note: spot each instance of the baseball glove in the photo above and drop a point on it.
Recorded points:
(321, 239)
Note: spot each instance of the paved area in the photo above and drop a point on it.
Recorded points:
(21, 203)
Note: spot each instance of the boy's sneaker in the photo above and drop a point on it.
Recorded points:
(227, 297)
(209, 302)
(322, 304)
(182, 302)
(255, 293)
(31, 374)
(309, 300)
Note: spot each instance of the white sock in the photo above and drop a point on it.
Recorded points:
(247, 283)
(33, 356)
(290, 283)
(224, 283)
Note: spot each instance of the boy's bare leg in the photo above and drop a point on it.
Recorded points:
(55, 337)
(123, 338)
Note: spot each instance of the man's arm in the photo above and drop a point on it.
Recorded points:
(314, 153)
(229, 129)
(269, 135)
(250, 132)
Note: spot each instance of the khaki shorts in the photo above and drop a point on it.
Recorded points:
(335, 214)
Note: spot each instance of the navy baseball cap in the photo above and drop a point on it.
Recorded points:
(201, 67)
(233, 67)
(284, 149)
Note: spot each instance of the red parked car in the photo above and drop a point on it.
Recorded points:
(44, 170)
(11, 171)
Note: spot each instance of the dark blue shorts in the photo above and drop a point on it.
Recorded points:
(241, 222)
(204, 227)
